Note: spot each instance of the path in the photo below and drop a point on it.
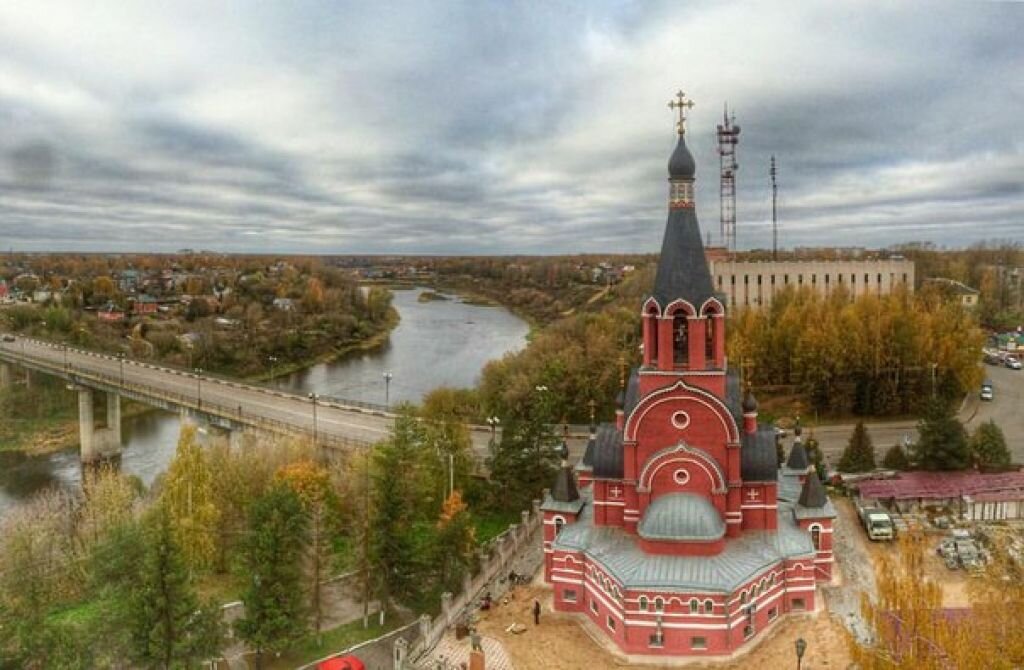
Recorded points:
(856, 571)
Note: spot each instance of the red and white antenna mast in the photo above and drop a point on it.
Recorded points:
(728, 138)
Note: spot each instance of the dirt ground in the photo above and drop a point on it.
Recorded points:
(954, 583)
(562, 642)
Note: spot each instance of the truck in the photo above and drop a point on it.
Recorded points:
(877, 522)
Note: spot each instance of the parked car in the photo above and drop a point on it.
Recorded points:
(986, 390)
(8, 338)
(1013, 363)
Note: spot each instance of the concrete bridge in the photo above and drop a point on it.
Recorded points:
(102, 380)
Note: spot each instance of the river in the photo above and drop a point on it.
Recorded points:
(436, 343)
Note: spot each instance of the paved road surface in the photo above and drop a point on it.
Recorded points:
(1007, 409)
(361, 425)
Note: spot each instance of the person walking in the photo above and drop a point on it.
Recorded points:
(536, 612)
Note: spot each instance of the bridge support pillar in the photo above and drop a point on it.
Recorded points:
(114, 421)
(86, 426)
(5, 375)
(28, 379)
(95, 442)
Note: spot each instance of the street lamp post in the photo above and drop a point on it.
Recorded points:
(934, 368)
(65, 357)
(273, 362)
(387, 388)
(801, 647)
(493, 422)
(199, 388)
(120, 360)
(314, 397)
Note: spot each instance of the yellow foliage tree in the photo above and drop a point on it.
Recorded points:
(909, 629)
(189, 495)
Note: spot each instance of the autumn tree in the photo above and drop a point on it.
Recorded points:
(942, 442)
(988, 447)
(188, 496)
(455, 542)
(905, 622)
(272, 559)
(859, 454)
(448, 458)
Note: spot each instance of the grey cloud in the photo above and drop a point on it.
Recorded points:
(502, 128)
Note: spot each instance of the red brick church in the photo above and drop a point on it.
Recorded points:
(683, 536)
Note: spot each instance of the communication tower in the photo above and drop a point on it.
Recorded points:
(775, 219)
(728, 138)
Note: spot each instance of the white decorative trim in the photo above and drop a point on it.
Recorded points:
(698, 457)
(610, 503)
(681, 476)
(698, 395)
(680, 423)
(759, 506)
(678, 302)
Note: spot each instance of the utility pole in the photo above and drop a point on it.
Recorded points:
(775, 220)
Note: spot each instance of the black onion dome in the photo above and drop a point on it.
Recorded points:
(749, 403)
(681, 165)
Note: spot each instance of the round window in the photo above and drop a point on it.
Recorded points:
(681, 476)
(680, 420)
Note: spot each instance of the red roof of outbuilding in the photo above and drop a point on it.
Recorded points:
(932, 485)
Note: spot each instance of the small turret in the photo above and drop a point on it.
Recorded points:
(749, 407)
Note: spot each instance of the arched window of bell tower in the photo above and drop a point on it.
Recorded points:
(680, 340)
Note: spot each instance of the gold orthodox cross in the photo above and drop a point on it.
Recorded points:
(681, 103)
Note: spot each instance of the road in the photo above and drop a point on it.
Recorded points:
(360, 425)
(1006, 409)
(222, 397)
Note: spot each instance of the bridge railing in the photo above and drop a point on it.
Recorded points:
(235, 414)
(263, 386)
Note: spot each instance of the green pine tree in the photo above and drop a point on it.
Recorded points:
(859, 455)
(896, 458)
(272, 557)
(988, 447)
(169, 627)
(398, 528)
(524, 462)
(942, 444)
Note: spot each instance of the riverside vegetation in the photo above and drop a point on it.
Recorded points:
(117, 571)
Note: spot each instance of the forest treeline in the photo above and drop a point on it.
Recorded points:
(875, 355)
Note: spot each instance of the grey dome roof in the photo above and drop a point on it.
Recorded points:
(749, 402)
(681, 165)
(681, 516)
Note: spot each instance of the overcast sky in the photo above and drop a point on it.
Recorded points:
(501, 127)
